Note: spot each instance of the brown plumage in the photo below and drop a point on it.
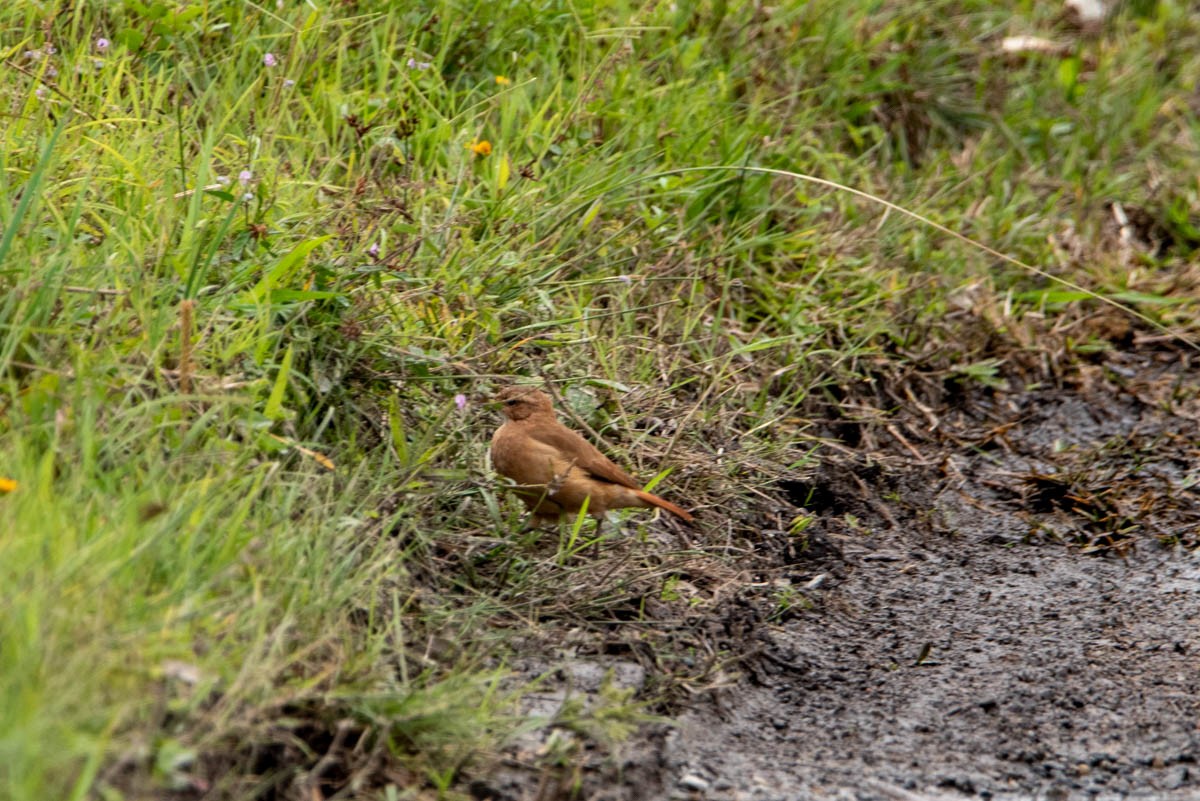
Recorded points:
(555, 469)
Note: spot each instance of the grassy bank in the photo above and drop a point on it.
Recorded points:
(260, 264)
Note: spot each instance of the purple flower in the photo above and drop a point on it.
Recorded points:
(288, 83)
(40, 92)
(269, 60)
(625, 279)
(223, 180)
(245, 177)
(460, 401)
(373, 251)
(248, 197)
(51, 72)
(413, 64)
(49, 49)
(102, 44)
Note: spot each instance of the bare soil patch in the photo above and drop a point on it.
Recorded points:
(1013, 615)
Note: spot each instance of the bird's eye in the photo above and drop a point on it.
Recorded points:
(510, 402)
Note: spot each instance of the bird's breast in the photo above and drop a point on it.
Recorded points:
(525, 460)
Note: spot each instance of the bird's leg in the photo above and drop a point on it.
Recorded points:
(596, 536)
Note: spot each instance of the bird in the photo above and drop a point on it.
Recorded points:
(554, 469)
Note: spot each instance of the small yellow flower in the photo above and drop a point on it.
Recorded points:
(7, 485)
(502, 81)
(481, 147)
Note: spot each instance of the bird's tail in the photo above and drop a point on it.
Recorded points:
(654, 500)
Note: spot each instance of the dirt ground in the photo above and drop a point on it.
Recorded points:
(1000, 602)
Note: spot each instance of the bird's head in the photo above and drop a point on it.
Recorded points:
(518, 403)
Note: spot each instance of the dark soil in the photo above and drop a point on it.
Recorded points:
(1001, 602)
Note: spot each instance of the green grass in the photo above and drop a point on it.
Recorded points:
(184, 576)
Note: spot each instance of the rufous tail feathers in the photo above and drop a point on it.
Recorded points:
(654, 500)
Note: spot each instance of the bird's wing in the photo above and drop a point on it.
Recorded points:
(585, 455)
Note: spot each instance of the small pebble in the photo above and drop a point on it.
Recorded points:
(690, 781)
